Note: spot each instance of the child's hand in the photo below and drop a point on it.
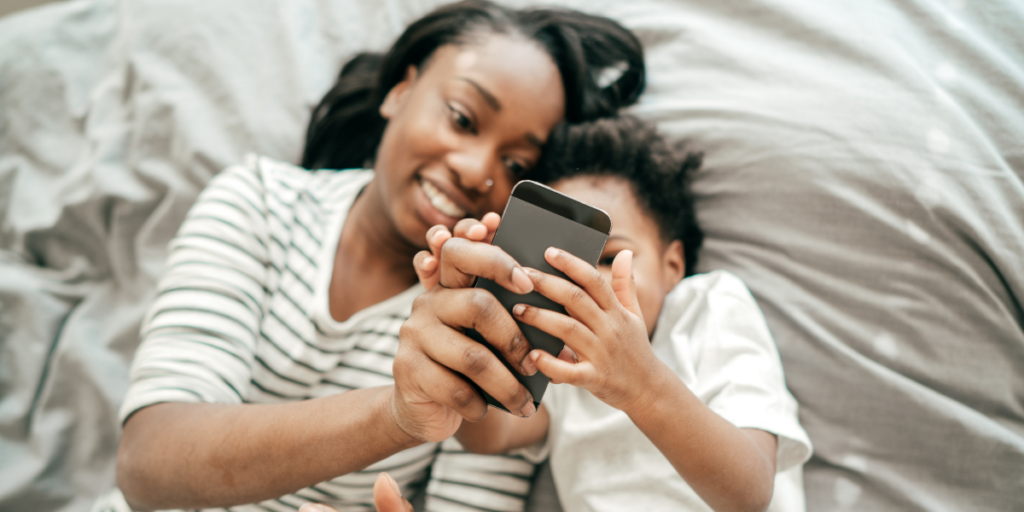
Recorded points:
(427, 263)
(604, 328)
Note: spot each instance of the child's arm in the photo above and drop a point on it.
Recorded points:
(500, 432)
(730, 468)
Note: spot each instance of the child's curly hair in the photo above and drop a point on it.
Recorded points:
(626, 147)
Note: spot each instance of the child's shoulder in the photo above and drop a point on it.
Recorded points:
(714, 303)
(717, 284)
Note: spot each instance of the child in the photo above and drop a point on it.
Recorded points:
(676, 397)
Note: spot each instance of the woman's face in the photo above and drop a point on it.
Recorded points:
(461, 128)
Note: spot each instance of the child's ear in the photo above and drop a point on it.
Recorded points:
(396, 96)
(673, 264)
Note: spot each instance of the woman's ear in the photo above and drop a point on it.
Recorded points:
(673, 264)
(396, 96)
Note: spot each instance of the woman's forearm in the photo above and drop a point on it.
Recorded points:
(732, 469)
(197, 455)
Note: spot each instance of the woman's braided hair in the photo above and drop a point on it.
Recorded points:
(346, 127)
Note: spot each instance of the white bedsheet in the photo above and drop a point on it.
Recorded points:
(863, 174)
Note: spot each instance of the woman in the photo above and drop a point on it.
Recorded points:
(265, 368)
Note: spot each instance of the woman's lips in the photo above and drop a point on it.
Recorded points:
(441, 201)
(435, 207)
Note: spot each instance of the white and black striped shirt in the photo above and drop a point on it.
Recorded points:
(241, 316)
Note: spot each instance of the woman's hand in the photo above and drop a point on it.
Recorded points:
(435, 357)
(427, 263)
(604, 327)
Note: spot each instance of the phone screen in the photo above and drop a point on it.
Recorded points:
(535, 218)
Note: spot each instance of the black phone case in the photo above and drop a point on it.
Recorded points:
(534, 220)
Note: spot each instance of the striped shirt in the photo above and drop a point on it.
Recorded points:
(241, 316)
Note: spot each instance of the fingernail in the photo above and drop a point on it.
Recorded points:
(528, 409)
(427, 261)
(552, 253)
(394, 484)
(311, 507)
(518, 310)
(521, 281)
(533, 356)
(528, 365)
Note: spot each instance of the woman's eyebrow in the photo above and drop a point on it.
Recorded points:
(535, 140)
(488, 97)
(496, 105)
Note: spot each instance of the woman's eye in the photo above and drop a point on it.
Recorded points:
(460, 120)
(517, 169)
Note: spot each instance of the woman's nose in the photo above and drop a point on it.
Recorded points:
(473, 165)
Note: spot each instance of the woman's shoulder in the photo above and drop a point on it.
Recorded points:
(268, 178)
(285, 180)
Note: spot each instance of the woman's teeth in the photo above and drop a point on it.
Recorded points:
(441, 201)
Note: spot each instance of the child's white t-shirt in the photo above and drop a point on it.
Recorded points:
(712, 334)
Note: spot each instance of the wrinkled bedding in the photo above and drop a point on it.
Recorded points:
(864, 173)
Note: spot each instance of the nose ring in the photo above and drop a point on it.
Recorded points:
(489, 183)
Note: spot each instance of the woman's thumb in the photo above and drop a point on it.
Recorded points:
(387, 497)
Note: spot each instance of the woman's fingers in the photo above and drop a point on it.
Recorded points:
(560, 371)
(423, 387)
(319, 507)
(436, 237)
(426, 268)
(462, 261)
(478, 230)
(566, 354)
(459, 272)
(431, 331)
(477, 309)
(470, 229)
(491, 221)
(387, 496)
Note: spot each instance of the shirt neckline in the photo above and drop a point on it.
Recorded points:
(321, 297)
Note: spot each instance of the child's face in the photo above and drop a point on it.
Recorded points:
(657, 266)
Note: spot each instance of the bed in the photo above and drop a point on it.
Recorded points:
(864, 173)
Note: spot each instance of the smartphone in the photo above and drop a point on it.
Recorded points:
(535, 218)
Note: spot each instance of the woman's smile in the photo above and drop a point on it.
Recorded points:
(461, 128)
(439, 208)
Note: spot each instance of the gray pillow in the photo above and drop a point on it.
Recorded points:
(863, 175)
